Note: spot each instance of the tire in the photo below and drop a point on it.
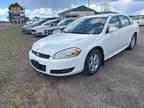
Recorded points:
(93, 62)
(132, 43)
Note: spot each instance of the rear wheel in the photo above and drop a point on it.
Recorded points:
(132, 43)
(93, 62)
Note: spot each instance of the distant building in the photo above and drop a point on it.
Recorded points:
(16, 14)
(107, 12)
(77, 12)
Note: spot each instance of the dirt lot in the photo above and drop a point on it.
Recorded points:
(118, 84)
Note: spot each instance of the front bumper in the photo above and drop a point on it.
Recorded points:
(26, 31)
(57, 67)
(33, 32)
(40, 34)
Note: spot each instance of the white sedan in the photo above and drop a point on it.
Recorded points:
(38, 30)
(84, 45)
(139, 20)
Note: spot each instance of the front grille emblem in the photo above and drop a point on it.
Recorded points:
(41, 55)
(37, 54)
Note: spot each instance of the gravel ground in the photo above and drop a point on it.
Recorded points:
(118, 84)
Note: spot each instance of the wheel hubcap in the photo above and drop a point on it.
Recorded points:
(133, 42)
(94, 62)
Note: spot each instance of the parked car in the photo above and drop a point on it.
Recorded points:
(32, 21)
(27, 28)
(58, 28)
(38, 30)
(139, 20)
(84, 45)
(135, 19)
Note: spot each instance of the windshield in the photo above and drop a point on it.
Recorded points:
(87, 26)
(46, 23)
(65, 22)
(51, 22)
(39, 22)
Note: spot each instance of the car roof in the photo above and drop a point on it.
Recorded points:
(71, 18)
(68, 19)
(103, 15)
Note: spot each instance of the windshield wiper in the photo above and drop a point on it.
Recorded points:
(76, 32)
(79, 32)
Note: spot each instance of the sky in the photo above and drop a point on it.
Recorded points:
(43, 8)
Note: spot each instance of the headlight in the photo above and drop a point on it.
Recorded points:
(68, 53)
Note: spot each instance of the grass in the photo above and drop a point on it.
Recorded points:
(13, 47)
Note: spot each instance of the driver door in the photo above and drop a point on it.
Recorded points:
(113, 39)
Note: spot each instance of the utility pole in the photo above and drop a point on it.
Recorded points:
(105, 6)
(88, 7)
(88, 3)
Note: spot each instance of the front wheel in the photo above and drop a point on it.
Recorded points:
(93, 62)
(132, 43)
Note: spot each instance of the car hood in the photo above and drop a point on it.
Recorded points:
(40, 27)
(26, 26)
(58, 42)
(55, 27)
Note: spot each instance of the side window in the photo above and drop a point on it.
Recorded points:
(57, 22)
(54, 23)
(124, 21)
(47, 23)
(114, 22)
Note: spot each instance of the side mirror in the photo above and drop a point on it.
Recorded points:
(112, 29)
